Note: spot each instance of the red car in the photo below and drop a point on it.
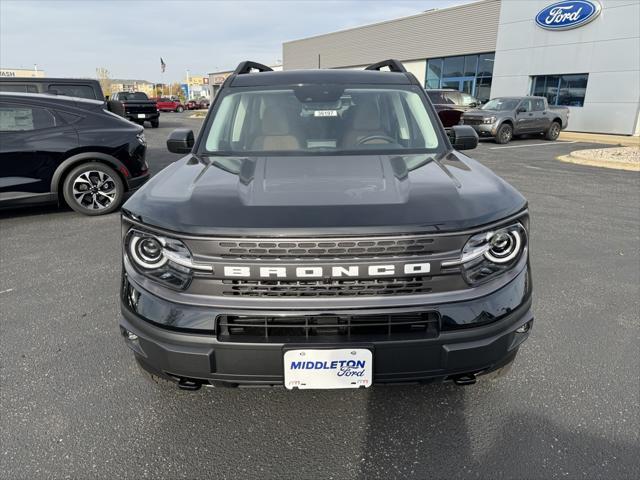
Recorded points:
(168, 105)
(192, 105)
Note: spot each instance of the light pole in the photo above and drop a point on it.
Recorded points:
(188, 86)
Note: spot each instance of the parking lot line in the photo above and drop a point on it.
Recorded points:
(530, 145)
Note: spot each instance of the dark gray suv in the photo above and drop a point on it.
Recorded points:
(323, 231)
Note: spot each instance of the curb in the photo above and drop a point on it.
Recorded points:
(621, 140)
(584, 160)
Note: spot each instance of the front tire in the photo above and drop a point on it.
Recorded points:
(504, 134)
(554, 132)
(179, 110)
(93, 189)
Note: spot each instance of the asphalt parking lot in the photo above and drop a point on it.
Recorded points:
(74, 406)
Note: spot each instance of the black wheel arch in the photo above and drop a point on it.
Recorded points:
(85, 157)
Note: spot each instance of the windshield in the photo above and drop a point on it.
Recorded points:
(501, 104)
(133, 96)
(440, 97)
(308, 119)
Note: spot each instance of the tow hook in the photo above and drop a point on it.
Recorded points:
(187, 384)
(468, 379)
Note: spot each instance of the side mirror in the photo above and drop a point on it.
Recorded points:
(463, 137)
(180, 141)
(473, 105)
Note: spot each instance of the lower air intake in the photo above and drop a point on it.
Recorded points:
(328, 328)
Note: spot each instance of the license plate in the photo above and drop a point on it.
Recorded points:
(323, 369)
(141, 115)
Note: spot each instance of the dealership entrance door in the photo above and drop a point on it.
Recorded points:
(462, 84)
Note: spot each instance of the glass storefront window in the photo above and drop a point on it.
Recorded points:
(485, 64)
(551, 89)
(572, 90)
(537, 86)
(453, 67)
(470, 64)
(434, 72)
(483, 89)
(466, 73)
(561, 89)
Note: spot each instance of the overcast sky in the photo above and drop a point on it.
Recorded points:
(128, 37)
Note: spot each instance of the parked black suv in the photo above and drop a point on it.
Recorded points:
(323, 232)
(59, 147)
(451, 104)
(70, 87)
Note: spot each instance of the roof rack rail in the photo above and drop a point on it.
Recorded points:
(247, 66)
(394, 66)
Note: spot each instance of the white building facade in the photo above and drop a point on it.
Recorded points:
(594, 68)
(583, 54)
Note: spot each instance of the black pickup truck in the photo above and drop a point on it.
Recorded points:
(136, 107)
(323, 231)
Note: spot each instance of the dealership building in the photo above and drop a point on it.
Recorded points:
(21, 72)
(583, 54)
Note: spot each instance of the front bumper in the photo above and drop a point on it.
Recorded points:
(485, 129)
(198, 356)
(135, 183)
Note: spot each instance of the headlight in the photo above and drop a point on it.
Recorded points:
(489, 120)
(147, 252)
(141, 138)
(489, 254)
(163, 259)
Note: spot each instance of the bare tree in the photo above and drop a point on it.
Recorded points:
(103, 77)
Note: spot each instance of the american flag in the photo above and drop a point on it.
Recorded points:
(163, 65)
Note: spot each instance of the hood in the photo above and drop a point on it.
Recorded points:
(477, 112)
(304, 194)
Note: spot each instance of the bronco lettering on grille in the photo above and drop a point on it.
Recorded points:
(337, 271)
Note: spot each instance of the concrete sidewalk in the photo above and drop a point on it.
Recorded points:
(624, 140)
(619, 158)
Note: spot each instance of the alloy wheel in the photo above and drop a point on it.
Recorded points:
(94, 190)
(506, 135)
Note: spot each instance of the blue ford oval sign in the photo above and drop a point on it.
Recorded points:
(568, 14)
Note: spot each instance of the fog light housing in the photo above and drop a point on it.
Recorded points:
(524, 328)
(128, 335)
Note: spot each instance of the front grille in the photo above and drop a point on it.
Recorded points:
(473, 121)
(343, 248)
(254, 253)
(328, 328)
(332, 288)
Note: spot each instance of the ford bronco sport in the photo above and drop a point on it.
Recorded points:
(323, 231)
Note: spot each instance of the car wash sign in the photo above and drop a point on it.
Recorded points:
(568, 14)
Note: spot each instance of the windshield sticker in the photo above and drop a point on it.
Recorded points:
(325, 113)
